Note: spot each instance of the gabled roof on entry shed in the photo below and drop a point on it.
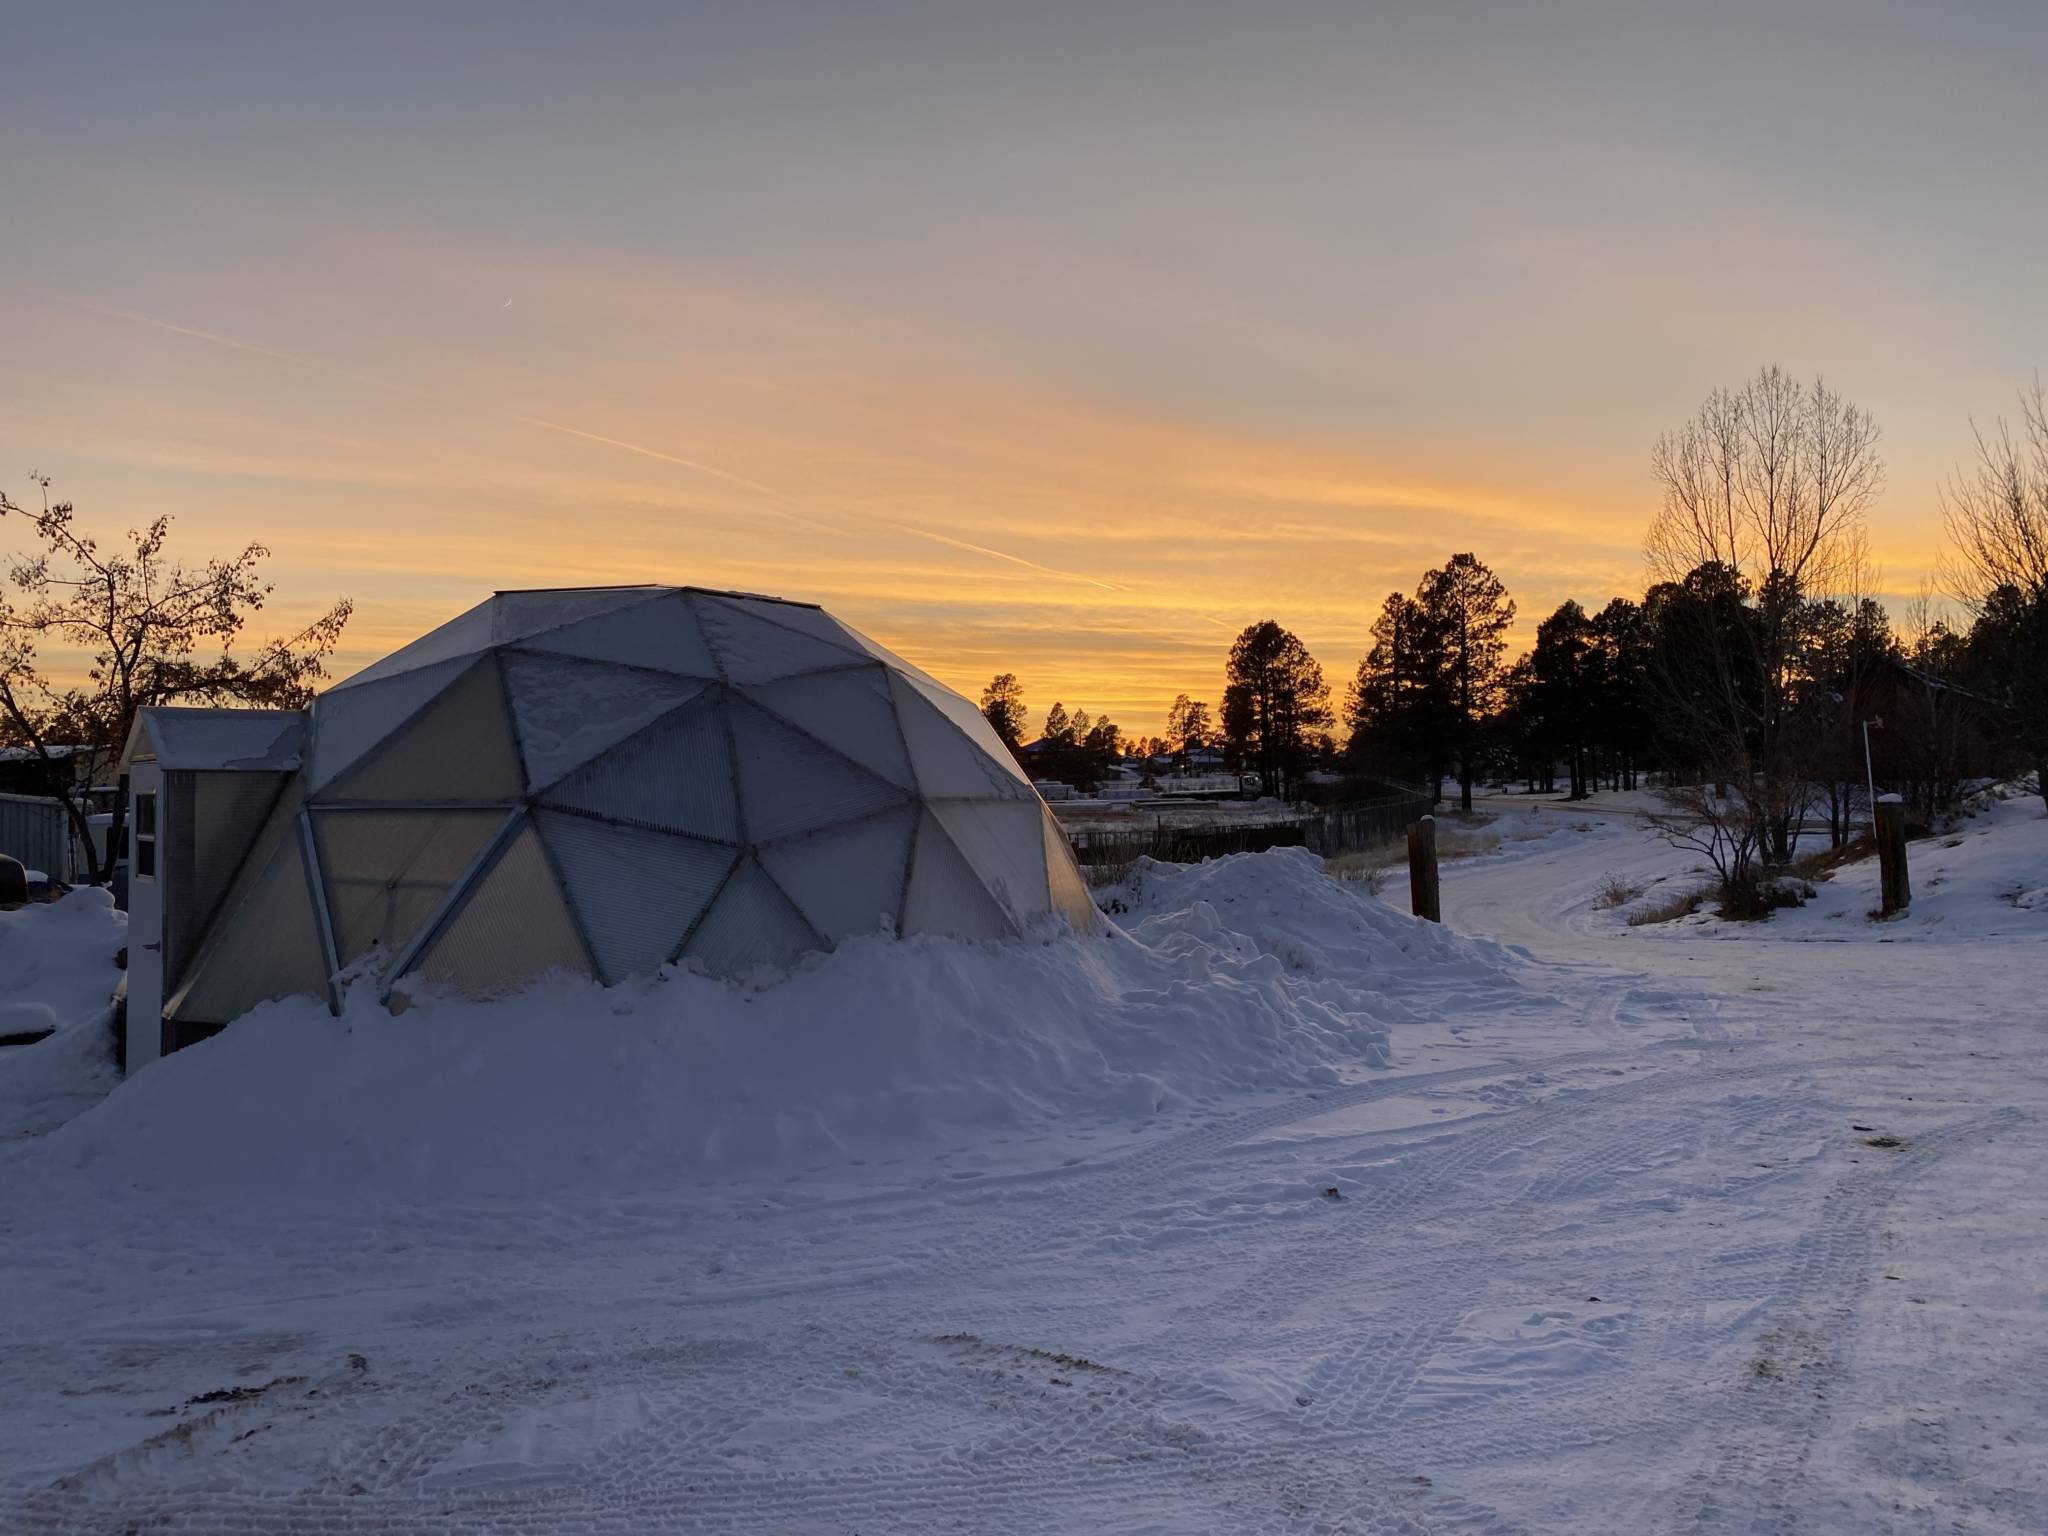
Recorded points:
(251, 740)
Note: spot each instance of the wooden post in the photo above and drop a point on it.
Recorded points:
(1897, 890)
(1422, 888)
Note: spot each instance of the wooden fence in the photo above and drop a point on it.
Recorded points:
(1344, 829)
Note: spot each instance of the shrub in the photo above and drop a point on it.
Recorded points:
(1616, 892)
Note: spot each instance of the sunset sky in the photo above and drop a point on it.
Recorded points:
(1064, 340)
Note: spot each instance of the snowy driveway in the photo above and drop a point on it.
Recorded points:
(1701, 1235)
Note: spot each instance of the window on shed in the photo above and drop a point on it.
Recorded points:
(144, 853)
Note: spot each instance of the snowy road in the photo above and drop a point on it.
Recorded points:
(1702, 1235)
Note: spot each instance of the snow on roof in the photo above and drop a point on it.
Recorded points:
(262, 739)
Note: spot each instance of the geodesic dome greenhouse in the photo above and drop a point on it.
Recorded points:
(603, 780)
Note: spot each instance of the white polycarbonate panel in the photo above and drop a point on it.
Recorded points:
(805, 619)
(1004, 840)
(790, 783)
(350, 721)
(751, 924)
(512, 927)
(567, 711)
(387, 872)
(972, 723)
(459, 747)
(851, 712)
(661, 633)
(847, 880)
(676, 775)
(463, 635)
(752, 649)
(947, 762)
(945, 897)
(517, 615)
(1067, 889)
(266, 943)
(636, 892)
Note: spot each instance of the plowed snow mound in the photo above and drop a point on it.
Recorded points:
(1246, 973)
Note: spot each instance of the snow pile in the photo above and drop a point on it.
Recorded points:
(57, 972)
(1254, 972)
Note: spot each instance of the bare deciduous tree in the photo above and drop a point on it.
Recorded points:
(145, 623)
(1997, 518)
(1765, 493)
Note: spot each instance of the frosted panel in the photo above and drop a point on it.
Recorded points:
(751, 924)
(636, 892)
(661, 633)
(459, 747)
(1067, 889)
(945, 897)
(511, 928)
(972, 723)
(267, 943)
(463, 635)
(789, 783)
(567, 711)
(676, 775)
(387, 872)
(751, 649)
(522, 614)
(804, 619)
(847, 880)
(1005, 842)
(353, 719)
(851, 712)
(946, 761)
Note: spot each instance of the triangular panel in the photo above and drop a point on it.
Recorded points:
(388, 872)
(567, 711)
(458, 747)
(971, 722)
(352, 721)
(752, 649)
(852, 712)
(463, 635)
(804, 619)
(512, 927)
(636, 892)
(751, 924)
(519, 615)
(849, 879)
(945, 896)
(1066, 887)
(675, 775)
(1004, 841)
(266, 943)
(947, 763)
(790, 783)
(661, 633)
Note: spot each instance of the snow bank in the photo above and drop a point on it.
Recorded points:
(57, 972)
(1254, 972)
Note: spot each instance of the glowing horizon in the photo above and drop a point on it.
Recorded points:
(1076, 394)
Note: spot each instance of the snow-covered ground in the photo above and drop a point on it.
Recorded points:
(1272, 1211)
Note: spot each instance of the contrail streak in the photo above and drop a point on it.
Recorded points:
(181, 330)
(997, 554)
(696, 466)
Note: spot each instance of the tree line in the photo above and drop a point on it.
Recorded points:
(1745, 672)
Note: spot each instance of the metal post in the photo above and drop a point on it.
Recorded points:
(1869, 778)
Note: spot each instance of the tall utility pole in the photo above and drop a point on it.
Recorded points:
(1869, 778)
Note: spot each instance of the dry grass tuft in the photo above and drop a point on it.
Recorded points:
(1669, 910)
(1616, 892)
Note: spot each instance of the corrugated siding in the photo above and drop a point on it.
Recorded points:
(35, 830)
